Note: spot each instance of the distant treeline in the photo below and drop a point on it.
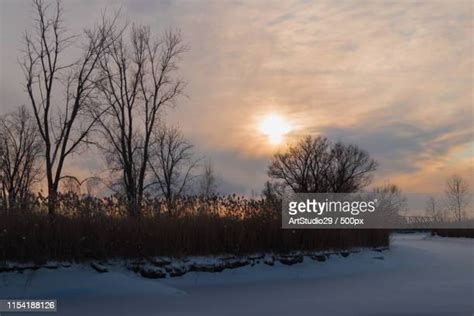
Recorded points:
(467, 233)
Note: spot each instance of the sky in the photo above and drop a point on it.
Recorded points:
(394, 77)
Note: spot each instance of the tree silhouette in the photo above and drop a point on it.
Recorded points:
(137, 80)
(61, 91)
(317, 165)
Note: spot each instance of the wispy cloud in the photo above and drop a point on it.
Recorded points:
(394, 76)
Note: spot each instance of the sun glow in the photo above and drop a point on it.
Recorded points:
(274, 127)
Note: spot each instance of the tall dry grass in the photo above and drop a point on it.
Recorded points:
(91, 228)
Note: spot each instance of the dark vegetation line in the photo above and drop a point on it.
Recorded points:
(466, 233)
(93, 229)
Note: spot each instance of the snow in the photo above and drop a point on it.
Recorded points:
(418, 275)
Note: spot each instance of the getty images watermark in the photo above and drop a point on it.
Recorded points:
(350, 210)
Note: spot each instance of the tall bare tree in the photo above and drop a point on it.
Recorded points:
(137, 79)
(432, 209)
(391, 200)
(457, 196)
(20, 150)
(317, 165)
(208, 181)
(60, 89)
(172, 163)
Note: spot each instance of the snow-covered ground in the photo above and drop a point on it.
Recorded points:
(419, 275)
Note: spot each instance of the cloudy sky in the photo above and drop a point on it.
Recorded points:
(395, 77)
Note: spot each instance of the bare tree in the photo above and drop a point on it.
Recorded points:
(391, 200)
(208, 181)
(432, 209)
(350, 168)
(20, 150)
(70, 185)
(61, 90)
(172, 163)
(316, 165)
(457, 196)
(272, 195)
(137, 79)
(92, 186)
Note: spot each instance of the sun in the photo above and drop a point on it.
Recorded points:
(274, 127)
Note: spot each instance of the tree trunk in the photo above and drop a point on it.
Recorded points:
(52, 200)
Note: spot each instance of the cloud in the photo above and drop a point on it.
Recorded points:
(392, 76)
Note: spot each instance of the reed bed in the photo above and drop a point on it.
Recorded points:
(89, 228)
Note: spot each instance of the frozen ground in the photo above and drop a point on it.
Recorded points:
(420, 275)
